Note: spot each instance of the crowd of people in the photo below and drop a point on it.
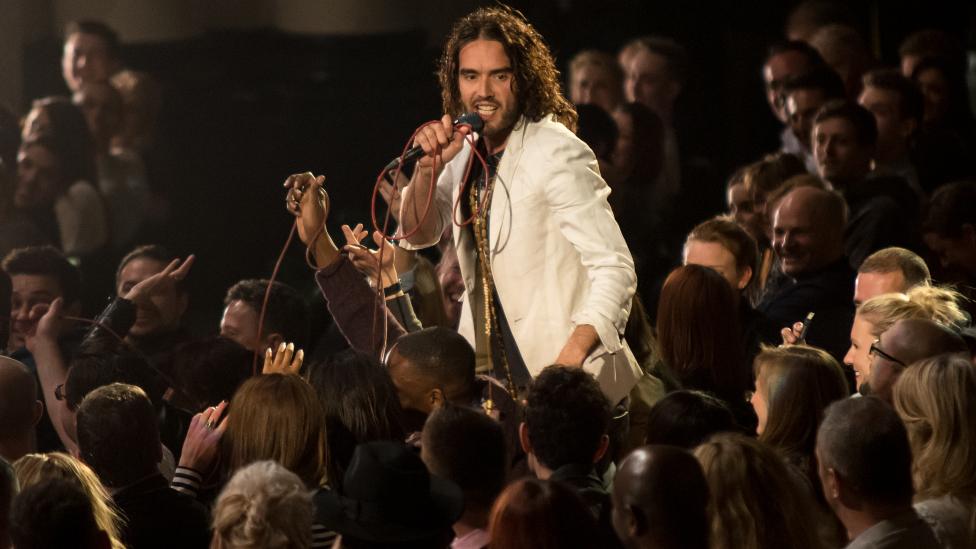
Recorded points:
(517, 363)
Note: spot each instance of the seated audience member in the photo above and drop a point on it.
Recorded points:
(17, 229)
(809, 243)
(805, 94)
(92, 54)
(896, 105)
(723, 245)
(865, 466)
(121, 175)
(595, 78)
(660, 500)
(809, 16)
(400, 504)
(209, 371)
(883, 209)
(157, 328)
(844, 50)
(760, 180)
(755, 500)
(929, 43)
(8, 489)
(38, 276)
(890, 270)
(467, 448)
(905, 342)
(945, 98)
(936, 399)
(20, 410)
(786, 60)
(56, 178)
(55, 513)
(700, 341)
(263, 505)
(359, 403)
(35, 468)
(687, 418)
(285, 318)
(565, 433)
(119, 439)
(541, 514)
(794, 384)
(877, 314)
(950, 229)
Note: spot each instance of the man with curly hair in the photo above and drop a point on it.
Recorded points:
(548, 276)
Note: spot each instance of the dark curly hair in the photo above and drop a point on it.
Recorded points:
(536, 83)
(566, 415)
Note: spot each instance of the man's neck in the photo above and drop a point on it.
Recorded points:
(858, 521)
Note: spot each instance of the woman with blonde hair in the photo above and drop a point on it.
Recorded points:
(756, 503)
(263, 505)
(936, 399)
(35, 468)
(879, 313)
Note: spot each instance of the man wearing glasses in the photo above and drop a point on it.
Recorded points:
(906, 342)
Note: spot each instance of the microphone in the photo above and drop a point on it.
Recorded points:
(469, 118)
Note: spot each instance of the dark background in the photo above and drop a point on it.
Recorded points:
(244, 109)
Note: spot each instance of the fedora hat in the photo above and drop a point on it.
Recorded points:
(389, 496)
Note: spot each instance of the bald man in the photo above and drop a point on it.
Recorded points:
(19, 409)
(905, 342)
(808, 240)
(659, 500)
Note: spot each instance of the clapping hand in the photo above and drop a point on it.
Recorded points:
(202, 439)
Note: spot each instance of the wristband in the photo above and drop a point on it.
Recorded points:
(392, 289)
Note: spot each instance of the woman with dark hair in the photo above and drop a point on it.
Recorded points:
(947, 142)
(687, 418)
(699, 338)
(56, 175)
(360, 404)
(540, 514)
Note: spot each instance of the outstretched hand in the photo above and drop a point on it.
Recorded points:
(47, 322)
(792, 335)
(307, 200)
(368, 261)
(393, 195)
(161, 282)
(285, 361)
(202, 439)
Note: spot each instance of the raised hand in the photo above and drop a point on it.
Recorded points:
(202, 439)
(393, 198)
(285, 361)
(307, 200)
(161, 282)
(368, 261)
(47, 322)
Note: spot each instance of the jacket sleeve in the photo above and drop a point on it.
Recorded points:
(577, 197)
(353, 304)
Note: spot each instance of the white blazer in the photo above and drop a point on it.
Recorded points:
(557, 255)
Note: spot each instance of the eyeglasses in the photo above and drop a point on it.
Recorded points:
(875, 350)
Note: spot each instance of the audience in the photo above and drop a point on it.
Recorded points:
(755, 501)
(55, 513)
(809, 243)
(285, 317)
(865, 467)
(467, 447)
(660, 500)
(263, 505)
(905, 342)
(878, 314)
(890, 270)
(20, 410)
(541, 514)
(935, 400)
(119, 439)
(402, 441)
(32, 469)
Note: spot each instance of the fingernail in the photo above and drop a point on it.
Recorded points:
(267, 351)
(291, 346)
(301, 354)
(281, 347)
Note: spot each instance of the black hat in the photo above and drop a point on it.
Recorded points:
(389, 496)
